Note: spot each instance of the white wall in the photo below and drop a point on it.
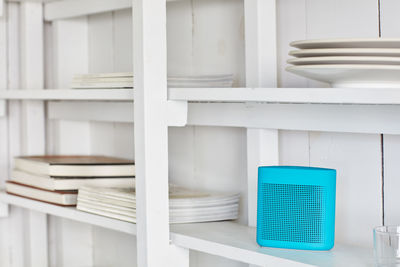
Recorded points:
(207, 36)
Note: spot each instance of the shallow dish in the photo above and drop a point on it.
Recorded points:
(366, 76)
(344, 60)
(348, 43)
(376, 52)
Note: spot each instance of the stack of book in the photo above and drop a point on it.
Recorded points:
(56, 179)
(185, 206)
(125, 80)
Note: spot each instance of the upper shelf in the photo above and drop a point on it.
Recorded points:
(383, 96)
(226, 239)
(356, 96)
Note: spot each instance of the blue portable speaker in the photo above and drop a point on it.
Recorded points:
(296, 207)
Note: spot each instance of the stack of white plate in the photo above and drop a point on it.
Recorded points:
(361, 62)
(185, 206)
(125, 80)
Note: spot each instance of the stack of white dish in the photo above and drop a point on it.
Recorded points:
(358, 62)
(125, 80)
(185, 206)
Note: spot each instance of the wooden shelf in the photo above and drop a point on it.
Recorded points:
(355, 96)
(225, 239)
(69, 213)
(358, 96)
(238, 242)
(69, 94)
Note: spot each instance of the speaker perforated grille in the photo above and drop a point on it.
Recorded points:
(293, 213)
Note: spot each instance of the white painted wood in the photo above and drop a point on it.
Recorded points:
(16, 232)
(391, 181)
(3, 56)
(122, 40)
(323, 21)
(356, 213)
(177, 113)
(69, 94)
(222, 49)
(91, 111)
(262, 150)
(384, 96)
(294, 148)
(101, 42)
(261, 71)
(151, 132)
(70, 213)
(3, 121)
(2, 8)
(178, 255)
(67, 9)
(389, 29)
(33, 130)
(235, 241)
(37, 229)
(291, 25)
(260, 32)
(110, 111)
(180, 27)
(330, 118)
(70, 46)
(359, 96)
(113, 248)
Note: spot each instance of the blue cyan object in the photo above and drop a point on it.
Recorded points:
(296, 207)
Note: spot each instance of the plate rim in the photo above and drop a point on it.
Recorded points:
(346, 66)
(354, 58)
(299, 43)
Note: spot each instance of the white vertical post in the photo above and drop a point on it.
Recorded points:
(151, 132)
(3, 121)
(33, 127)
(261, 71)
(151, 136)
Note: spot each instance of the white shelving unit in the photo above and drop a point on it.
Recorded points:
(261, 108)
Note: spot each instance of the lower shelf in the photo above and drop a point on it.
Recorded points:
(226, 239)
(69, 213)
(238, 242)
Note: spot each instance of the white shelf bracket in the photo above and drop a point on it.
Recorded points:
(177, 113)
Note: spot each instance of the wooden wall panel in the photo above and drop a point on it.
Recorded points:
(389, 29)
(356, 157)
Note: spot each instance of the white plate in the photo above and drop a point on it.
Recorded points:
(348, 43)
(344, 60)
(375, 52)
(351, 75)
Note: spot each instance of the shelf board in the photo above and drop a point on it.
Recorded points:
(69, 94)
(226, 239)
(69, 213)
(358, 96)
(238, 242)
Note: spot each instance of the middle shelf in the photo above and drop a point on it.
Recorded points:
(368, 110)
(355, 96)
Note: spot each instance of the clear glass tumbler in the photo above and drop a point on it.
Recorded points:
(387, 246)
